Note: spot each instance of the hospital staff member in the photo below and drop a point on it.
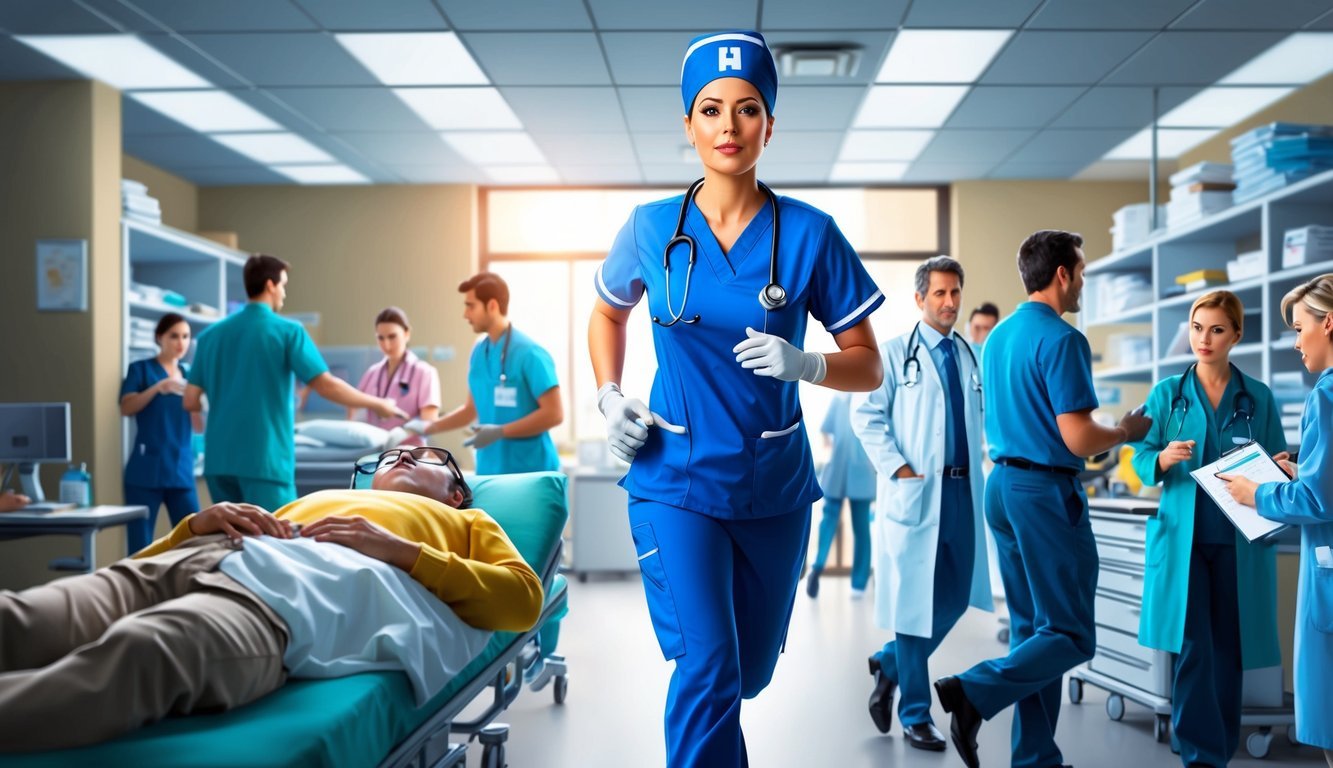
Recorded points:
(1307, 501)
(245, 364)
(1039, 403)
(847, 475)
(512, 388)
(980, 323)
(161, 466)
(922, 430)
(1209, 596)
(401, 376)
(721, 479)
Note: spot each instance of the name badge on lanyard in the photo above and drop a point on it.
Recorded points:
(506, 397)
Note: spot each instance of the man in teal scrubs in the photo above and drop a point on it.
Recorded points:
(513, 394)
(245, 364)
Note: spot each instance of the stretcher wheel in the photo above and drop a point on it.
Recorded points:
(1075, 690)
(583, 577)
(1161, 728)
(493, 756)
(1115, 706)
(1259, 742)
(1291, 736)
(561, 688)
(1002, 634)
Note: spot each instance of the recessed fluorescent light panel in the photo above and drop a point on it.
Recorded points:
(1171, 142)
(867, 172)
(941, 55)
(1220, 107)
(884, 145)
(415, 58)
(121, 61)
(206, 111)
(1298, 59)
(321, 174)
(460, 109)
(270, 148)
(522, 174)
(909, 106)
(496, 148)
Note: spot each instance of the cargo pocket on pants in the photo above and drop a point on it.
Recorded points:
(661, 604)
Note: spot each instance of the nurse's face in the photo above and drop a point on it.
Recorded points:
(1074, 289)
(729, 126)
(1212, 335)
(176, 340)
(1312, 337)
(392, 339)
(278, 296)
(980, 326)
(939, 307)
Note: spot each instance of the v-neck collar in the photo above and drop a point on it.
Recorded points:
(726, 265)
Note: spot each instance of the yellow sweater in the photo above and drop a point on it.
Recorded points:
(466, 559)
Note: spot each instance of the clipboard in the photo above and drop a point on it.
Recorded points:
(1249, 461)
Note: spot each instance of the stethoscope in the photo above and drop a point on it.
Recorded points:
(912, 365)
(1242, 406)
(398, 374)
(772, 296)
(504, 354)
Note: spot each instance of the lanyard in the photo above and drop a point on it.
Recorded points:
(504, 353)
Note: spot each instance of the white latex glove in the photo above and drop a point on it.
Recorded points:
(395, 438)
(769, 355)
(627, 421)
(416, 425)
(484, 435)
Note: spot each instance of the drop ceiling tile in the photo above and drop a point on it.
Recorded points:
(1012, 106)
(1322, 23)
(1060, 58)
(138, 120)
(586, 149)
(1069, 146)
(825, 108)
(402, 148)
(680, 14)
(286, 59)
(655, 109)
(972, 146)
(646, 58)
(623, 173)
(49, 17)
(1251, 15)
(663, 148)
(1121, 14)
(231, 177)
(970, 14)
(190, 56)
(193, 150)
(19, 62)
(229, 16)
(381, 15)
(792, 174)
(851, 14)
(802, 147)
(350, 109)
(414, 173)
(547, 15)
(1055, 171)
(1110, 106)
(945, 172)
(872, 46)
(669, 173)
(566, 110)
(1191, 58)
(539, 58)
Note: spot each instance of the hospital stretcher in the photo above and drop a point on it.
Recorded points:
(370, 719)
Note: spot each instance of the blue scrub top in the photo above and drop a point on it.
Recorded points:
(245, 365)
(1036, 367)
(162, 456)
(1210, 525)
(530, 370)
(848, 473)
(724, 467)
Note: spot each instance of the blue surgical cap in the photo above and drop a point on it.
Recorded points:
(729, 54)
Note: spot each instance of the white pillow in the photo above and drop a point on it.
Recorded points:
(306, 441)
(343, 434)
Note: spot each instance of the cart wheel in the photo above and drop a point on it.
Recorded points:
(493, 756)
(1002, 635)
(561, 688)
(1115, 706)
(583, 577)
(1075, 690)
(1291, 736)
(1259, 742)
(1161, 728)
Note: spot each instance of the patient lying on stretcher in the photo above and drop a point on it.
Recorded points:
(234, 600)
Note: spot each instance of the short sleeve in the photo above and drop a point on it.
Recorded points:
(432, 382)
(1068, 365)
(202, 350)
(539, 372)
(619, 279)
(134, 380)
(843, 294)
(306, 362)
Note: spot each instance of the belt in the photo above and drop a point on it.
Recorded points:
(1032, 467)
(955, 472)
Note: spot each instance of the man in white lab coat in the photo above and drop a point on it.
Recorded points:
(922, 431)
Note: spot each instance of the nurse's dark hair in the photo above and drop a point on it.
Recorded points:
(168, 321)
(260, 268)
(393, 315)
(1316, 295)
(1043, 253)
(988, 309)
(936, 264)
(487, 286)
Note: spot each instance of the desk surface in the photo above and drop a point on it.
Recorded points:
(1130, 506)
(83, 517)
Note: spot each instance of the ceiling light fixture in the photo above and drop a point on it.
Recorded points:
(941, 55)
(414, 58)
(122, 61)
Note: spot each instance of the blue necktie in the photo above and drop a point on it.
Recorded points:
(958, 456)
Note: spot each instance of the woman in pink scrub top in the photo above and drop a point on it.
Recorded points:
(401, 376)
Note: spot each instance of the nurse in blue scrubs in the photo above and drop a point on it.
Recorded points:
(1307, 501)
(847, 475)
(1209, 596)
(721, 480)
(161, 466)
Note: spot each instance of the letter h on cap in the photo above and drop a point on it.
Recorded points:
(728, 58)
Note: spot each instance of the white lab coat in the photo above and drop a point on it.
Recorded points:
(905, 425)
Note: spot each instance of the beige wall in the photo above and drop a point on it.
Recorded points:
(60, 151)
(179, 198)
(355, 250)
(1311, 104)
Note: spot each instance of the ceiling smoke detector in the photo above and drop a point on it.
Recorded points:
(818, 60)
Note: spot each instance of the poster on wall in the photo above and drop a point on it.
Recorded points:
(62, 275)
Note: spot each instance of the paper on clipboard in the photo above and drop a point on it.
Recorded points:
(1249, 461)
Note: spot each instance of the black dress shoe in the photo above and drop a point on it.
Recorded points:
(924, 736)
(966, 719)
(881, 699)
(812, 583)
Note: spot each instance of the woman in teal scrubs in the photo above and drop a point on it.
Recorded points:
(161, 466)
(1209, 596)
(1307, 501)
(847, 475)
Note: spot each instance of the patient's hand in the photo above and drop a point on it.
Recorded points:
(10, 501)
(365, 537)
(237, 520)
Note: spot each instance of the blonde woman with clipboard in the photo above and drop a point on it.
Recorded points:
(1308, 502)
(1209, 596)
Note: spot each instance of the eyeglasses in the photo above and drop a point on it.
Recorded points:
(423, 454)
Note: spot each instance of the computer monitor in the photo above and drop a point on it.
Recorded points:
(32, 434)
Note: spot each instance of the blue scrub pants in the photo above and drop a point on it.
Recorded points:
(264, 494)
(1048, 561)
(828, 528)
(904, 659)
(1206, 698)
(181, 502)
(720, 593)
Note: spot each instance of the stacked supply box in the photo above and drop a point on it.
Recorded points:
(1199, 191)
(1133, 224)
(1247, 265)
(137, 204)
(1308, 245)
(1267, 159)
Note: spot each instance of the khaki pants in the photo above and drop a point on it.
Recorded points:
(86, 658)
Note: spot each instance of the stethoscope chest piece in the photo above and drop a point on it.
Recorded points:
(773, 296)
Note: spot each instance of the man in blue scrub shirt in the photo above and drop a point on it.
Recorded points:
(1039, 403)
(244, 364)
(512, 389)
